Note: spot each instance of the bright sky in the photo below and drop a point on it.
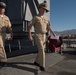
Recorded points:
(63, 14)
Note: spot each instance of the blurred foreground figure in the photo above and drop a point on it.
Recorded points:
(4, 23)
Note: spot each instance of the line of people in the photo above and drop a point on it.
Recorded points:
(40, 23)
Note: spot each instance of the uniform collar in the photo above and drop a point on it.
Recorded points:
(42, 16)
(1, 16)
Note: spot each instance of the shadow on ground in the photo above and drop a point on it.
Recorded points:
(21, 67)
(65, 73)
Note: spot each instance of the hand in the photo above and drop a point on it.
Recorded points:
(11, 35)
(30, 38)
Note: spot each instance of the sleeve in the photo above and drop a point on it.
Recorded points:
(8, 23)
(32, 22)
(47, 20)
(48, 24)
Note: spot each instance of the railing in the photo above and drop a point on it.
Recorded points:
(70, 42)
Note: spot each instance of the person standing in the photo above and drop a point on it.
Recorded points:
(4, 23)
(41, 24)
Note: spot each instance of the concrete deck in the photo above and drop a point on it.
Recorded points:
(23, 65)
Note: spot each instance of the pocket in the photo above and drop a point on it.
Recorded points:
(46, 21)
